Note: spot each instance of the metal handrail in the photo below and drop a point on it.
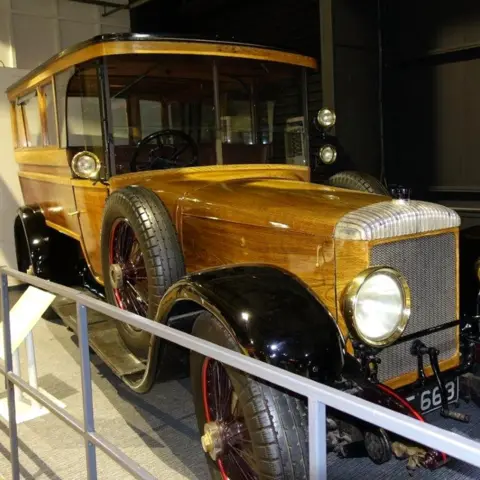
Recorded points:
(319, 396)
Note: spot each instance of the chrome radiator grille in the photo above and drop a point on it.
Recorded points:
(429, 266)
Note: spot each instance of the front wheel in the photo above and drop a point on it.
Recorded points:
(141, 258)
(250, 429)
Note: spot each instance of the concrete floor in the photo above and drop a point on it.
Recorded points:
(158, 430)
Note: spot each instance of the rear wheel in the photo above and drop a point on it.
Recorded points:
(141, 258)
(250, 430)
(358, 181)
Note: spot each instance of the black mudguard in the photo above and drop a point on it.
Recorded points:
(53, 255)
(272, 315)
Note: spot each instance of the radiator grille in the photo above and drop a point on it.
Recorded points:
(429, 266)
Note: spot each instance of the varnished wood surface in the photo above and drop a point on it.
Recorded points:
(56, 171)
(56, 199)
(42, 156)
(90, 202)
(237, 214)
(352, 257)
(171, 185)
(156, 47)
(209, 243)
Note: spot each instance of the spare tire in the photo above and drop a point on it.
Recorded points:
(358, 181)
(141, 258)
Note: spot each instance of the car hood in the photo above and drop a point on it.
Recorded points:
(275, 203)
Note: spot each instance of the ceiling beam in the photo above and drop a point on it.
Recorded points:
(101, 3)
(113, 6)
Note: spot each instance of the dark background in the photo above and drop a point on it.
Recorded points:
(402, 76)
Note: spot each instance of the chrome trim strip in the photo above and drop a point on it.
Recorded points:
(394, 219)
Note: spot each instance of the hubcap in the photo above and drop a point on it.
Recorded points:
(127, 270)
(226, 438)
(212, 440)
(116, 275)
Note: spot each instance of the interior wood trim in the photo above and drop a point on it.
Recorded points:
(159, 47)
(46, 177)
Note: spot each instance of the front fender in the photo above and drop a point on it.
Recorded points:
(272, 315)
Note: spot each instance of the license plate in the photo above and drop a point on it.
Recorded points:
(429, 398)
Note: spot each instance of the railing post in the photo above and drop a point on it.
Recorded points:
(89, 425)
(12, 416)
(317, 439)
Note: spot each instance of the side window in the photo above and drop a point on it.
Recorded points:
(120, 121)
(151, 116)
(83, 117)
(61, 84)
(84, 128)
(31, 119)
(51, 124)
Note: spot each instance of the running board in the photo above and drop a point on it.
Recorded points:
(103, 338)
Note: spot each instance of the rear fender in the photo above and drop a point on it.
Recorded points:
(270, 313)
(52, 255)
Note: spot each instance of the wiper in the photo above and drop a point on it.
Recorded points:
(135, 81)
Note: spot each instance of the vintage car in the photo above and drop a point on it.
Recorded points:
(172, 177)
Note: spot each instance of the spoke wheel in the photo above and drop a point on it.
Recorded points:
(128, 273)
(249, 429)
(141, 259)
(226, 438)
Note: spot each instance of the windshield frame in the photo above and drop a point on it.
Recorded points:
(107, 124)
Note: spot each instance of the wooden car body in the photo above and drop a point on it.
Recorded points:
(242, 204)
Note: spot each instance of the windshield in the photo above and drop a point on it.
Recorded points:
(258, 119)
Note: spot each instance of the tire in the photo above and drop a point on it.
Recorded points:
(276, 421)
(158, 248)
(358, 181)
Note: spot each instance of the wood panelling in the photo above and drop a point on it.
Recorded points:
(90, 201)
(171, 185)
(209, 243)
(55, 197)
(45, 178)
(46, 169)
(42, 156)
(63, 61)
(351, 258)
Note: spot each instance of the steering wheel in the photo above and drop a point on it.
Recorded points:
(166, 154)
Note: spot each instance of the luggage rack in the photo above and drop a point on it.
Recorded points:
(319, 396)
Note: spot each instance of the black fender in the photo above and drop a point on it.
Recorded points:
(272, 315)
(32, 241)
(52, 255)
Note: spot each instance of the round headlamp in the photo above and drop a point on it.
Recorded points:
(86, 165)
(377, 305)
(326, 118)
(327, 154)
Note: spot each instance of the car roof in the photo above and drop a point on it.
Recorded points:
(139, 43)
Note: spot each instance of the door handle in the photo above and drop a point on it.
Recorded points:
(76, 212)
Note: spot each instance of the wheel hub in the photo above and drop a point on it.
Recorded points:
(212, 442)
(116, 275)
